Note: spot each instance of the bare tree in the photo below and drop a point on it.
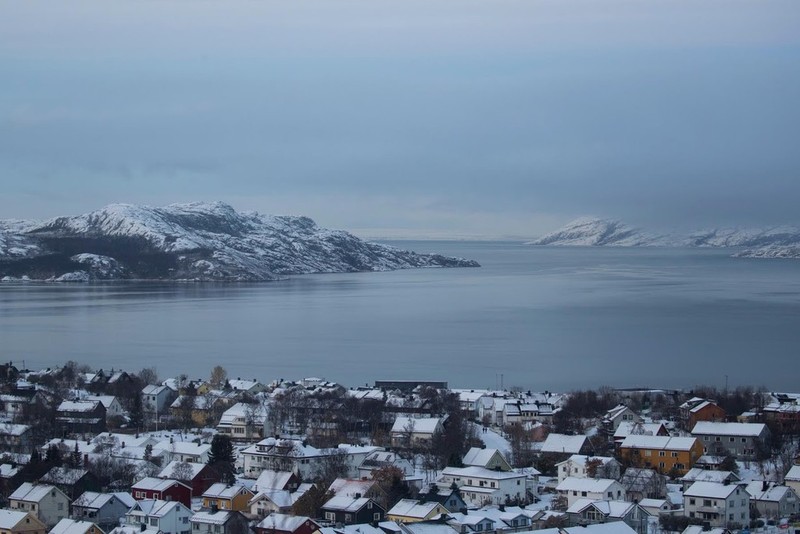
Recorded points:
(182, 471)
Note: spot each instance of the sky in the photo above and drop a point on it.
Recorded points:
(407, 118)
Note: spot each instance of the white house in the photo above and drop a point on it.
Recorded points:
(184, 451)
(597, 489)
(48, 503)
(414, 431)
(772, 501)
(169, 517)
(792, 479)
(719, 504)
(156, 399)
(480, 486)
(580, 465)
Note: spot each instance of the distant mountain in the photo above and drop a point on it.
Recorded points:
(594, 232)
(773, 242)
(196, 241)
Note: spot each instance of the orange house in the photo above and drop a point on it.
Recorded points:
(222, 497)
(706, 411)
(662, 453)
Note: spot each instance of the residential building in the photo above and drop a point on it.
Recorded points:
(72, 481)
(19, 522)
(698, 409)
(562, 444)
(352, 510)
(618, 415)
(597, 489)
(162, 489)
(219, 522)
(102, 509)
(286, 524)
(73, 526)
(792, 478)
(223, 497)
(741, 440)
(168, 517)
(480, 486)
(665, 454)
(582, 466)
(697, 474)
(641, 483)
(380, 459)
(773, 501)
(48, 503)
(243, 421)
(201, 476)
(720, 505)
(157, 399)
(81, 417)
(412, 510)
(589, 511)
(414, 431)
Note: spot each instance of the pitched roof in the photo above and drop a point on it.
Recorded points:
(71, 526)
(170, 467)
(658, 442)
(793, 474)
(284, 522)
(215, 518)
(413, 508)
(710, 489)
(562, 443)
(32, 492)
(708, 428)
(156, 484)
(592, 485)
(709, 475)
(269, 479)
(10, 518)
(344, 503)
(422, 425)
(220, 490)
(92, 499)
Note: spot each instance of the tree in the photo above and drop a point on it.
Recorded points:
(332, 466)
(182, 471)
(391, 479)
(221, 458)
(218, 376)
(148, 376)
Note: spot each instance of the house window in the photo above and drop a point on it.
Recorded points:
(217, 529)
(348, 518)
(674, 454)
(369, 505)
(691, 501)
(376, 517)
(706, 502)
(153, 522)
(662, 453)
(330, 516)
(61, 506)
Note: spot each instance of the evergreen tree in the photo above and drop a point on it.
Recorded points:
(222, 459)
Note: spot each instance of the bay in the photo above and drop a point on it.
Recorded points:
(539, 318)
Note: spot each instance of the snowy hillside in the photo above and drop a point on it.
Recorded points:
(775, 242)
(593, 232)
(197, 241)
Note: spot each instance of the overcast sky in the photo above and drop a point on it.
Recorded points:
(408, 117)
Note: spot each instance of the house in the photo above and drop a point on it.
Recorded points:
(73, 526)
(111, 404)
(626, 429)
(201, 476)
(706, 475)
(698, 409)
(168, 517)
(184, 451)
(15, 437)
(10, 479)
(251, 387)
(73, 482)
(380, 459)
(773, 501)
(12, 406)
(640, 483)
(350, 510)
(657, 507)
(271, 501)
(741, 440)
(597, 489)
(219, 522)
(81, 417)
(784, 412)
(792, 478)
(356, 488)
(471, 522)
(562, 444)
(276, 480)
(223, 497)
(618, 415)
(448, 497)
(582, 466)
(243, 421)
(589, 511)
(48, 503)
(162, 489)
(510, 518)
(480, 486)
(414, 432)
(156, 400)
(286, 524)
(299, 457)
(411, 511)
(102, 509)
(663, 453)
(19, 522)
(486, 458)
(720, 505)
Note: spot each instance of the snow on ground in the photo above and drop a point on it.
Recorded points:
(493, 440)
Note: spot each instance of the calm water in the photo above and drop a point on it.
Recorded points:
(539, 318)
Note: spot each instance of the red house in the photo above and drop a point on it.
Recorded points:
(162, 489)
(203, 476)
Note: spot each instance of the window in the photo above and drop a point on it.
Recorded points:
(153, 522)
(185, 520)
(583, 494)
(217, 529)
(348, 518)
(369, 505)
(330, 516)
(731, 440)
(376, 517)
(196, 526)
(706, 502)
(674, 454)
(691, 501)
(662, 453)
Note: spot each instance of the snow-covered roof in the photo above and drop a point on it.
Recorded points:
(708, 428)
(10, 518)
(710, 489)
(709, 475)
(772, 492)
(614, 527)
(32, 492)
(626, 428)
(344, 503)
(8, 471)
(154, 390)
(607, 508)
(283, 522)
(350, 487)
(183, 447)
(413, 508)
(281, 498)
(479, 457)
(242, 385)
(582, 460)
(420, 425)
(590, 485)
(78, 406)
(71, 526)
(562, 443)
(214, 518)
(793, 474)
(221, 490)
(658, 442)
(479, 472)
(155, 484)
(269, 479)
(94, 500)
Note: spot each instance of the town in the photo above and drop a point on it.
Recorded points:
(89, 451)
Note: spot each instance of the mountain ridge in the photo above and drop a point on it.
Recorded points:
(198, 241)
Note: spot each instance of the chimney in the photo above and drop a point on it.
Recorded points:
(214, 508)
(764, 486)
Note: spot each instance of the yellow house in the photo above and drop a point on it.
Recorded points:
(18, 522)
(223, 497)
(663, 453)
(73, 526)
(412, 511)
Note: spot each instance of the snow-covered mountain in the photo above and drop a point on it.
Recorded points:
(196, 241)
(588, 231)
(773, 242)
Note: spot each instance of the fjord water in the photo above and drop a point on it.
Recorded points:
(534, 317)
